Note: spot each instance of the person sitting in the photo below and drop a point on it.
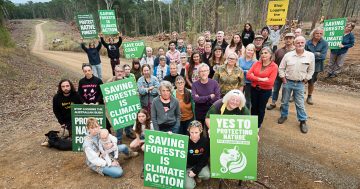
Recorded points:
(198, 155)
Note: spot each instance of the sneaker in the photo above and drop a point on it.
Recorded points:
(309, 100)
(281, 120)
(303, 127)
(271, 106)
(45, 143)
(291, 99)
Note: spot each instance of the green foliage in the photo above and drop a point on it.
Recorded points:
(5, 38)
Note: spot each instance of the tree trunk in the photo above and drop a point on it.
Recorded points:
(170, 29)
(316, 13)
(345, 9)
(216, 26)
(161, 19)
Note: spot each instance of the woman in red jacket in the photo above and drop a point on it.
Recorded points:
(262, 75)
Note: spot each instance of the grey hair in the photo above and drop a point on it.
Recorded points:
(149, 48)
(235, 92)
(203, 65)
(166, 84)
(220, 32)
(268, 49)
(119, 67)
(236, 57)
(315, 30)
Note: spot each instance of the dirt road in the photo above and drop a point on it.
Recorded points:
(70, 60)
(327, 157)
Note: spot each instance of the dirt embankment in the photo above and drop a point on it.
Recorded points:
(327, 157)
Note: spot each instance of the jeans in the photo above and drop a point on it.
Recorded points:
(124, 149)
(114, 172)
(119, 132)
(97, 70)
(298, 91)
(335, 63)
(184, 126)
(247, 91)
(276, 89)
(259, 99)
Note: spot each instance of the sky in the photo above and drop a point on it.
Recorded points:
(24, 1)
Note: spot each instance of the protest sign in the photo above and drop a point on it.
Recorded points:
(87, 26)
(165, 159)
(277, 12)
(108, 22)
(79, 115)
(134, 49)
(334, 32)
(233, 146)
(122, 102)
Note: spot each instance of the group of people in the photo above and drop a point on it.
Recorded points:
(181, 87)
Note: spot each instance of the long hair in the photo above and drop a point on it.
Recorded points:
(138, 125)
(212, 59)
(187, 94)
(238, 45)
(250, 30)
(192, 63)
(135, 61)
(72, 89)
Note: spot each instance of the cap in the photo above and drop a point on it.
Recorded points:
(290, 35)
(259, 36)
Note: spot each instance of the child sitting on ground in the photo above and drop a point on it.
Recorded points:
(143, 121)
(108, 146)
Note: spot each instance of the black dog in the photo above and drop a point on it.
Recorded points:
(56, 142)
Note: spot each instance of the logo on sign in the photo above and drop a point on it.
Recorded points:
(232, 161)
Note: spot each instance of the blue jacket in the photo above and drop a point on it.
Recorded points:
(319, 51)
(348, 42)
(245, 66)
(92, 53)
(146, 96)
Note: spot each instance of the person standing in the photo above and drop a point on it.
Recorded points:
(173, 74)
(337, 56)
(65, 96)
(183, 63)
(217, 59)
(181, 47)
(258, 42)
(235, 46)
(148, 87)
(162, 69)
(165, 110)
(161, 52)
(207, 35)
(207, 54)
(135, 69)
(319, 47)
(149, 58)
(220, 41)
(192, 72)
(247, 35)
(112, 50)
(119, 75)
(186, 103)
(245, 63)
(265, 32)
(89, 87)
(201, 45)
(296, 68)
(205, 92)
(93, 57)
(275, 33)
(262, 76)
(173, 54)
(279, 54)
(230, 75)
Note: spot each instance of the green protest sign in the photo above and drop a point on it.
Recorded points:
(108, 22)
(334, 32)
(122, 102)
(134, 49)
(233, 147)
(87, 26)
(79, 115)
(165, 159)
